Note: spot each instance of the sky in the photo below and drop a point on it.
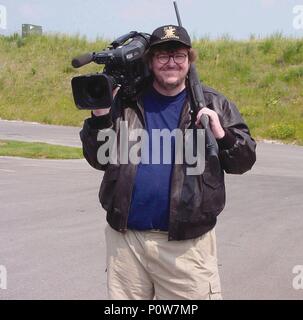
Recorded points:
(110, 19)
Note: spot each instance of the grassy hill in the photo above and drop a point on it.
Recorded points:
(263, 77)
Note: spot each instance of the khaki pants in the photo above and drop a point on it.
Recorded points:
(145, 265)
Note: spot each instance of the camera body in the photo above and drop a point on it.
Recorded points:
(124, 67)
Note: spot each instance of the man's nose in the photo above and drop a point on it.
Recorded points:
(171, 61)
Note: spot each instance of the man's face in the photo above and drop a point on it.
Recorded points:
(170, 68)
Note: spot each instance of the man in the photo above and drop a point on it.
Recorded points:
(160, 235)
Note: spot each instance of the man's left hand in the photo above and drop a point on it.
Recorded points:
(214, 122)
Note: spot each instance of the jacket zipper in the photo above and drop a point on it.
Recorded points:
(124, 227)
(182, 117)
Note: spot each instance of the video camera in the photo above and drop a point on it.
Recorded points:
(124, 67)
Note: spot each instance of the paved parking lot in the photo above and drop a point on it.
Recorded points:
(52, 241)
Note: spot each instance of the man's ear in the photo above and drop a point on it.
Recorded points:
(189, 65)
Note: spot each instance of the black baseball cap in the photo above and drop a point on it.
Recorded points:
(170, 33)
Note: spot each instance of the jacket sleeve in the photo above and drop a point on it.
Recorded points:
(88, 136)
(237, 149)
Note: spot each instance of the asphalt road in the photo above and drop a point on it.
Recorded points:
(51, 225)
(32, 131)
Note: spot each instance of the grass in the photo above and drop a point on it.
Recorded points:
(38, 150)
(263, 77)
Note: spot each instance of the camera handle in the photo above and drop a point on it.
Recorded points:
(102, 57)
(118, 42)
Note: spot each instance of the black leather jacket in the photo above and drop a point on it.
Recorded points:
(195, 201)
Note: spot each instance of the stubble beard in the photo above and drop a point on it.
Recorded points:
(170, 85)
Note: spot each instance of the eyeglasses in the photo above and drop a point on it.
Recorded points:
(178, 58)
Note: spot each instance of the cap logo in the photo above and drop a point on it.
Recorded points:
(169, 33)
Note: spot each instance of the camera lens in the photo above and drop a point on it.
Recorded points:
(93, 91)
(95, 88)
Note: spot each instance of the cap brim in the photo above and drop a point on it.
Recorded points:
(169, 40)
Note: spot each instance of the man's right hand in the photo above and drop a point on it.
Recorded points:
(102, 112)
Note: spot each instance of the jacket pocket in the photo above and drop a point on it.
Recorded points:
(214, 291)
(213, 190)
(190, 199)
(212, 180)
(108, 187)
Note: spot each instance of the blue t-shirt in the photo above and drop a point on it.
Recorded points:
(149, 207)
